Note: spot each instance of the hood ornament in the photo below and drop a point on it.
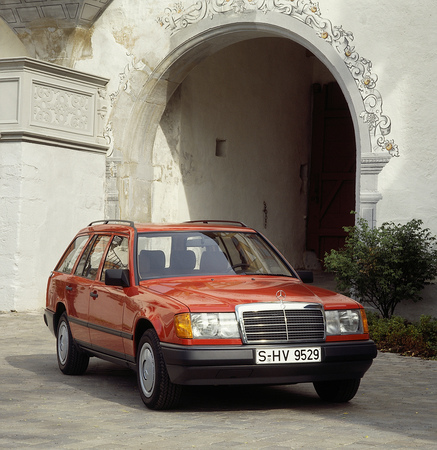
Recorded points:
(281, 295)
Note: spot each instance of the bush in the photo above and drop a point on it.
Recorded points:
(401, 336)
(386, 265)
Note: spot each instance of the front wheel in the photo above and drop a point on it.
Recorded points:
(156, 389)
(337, 391)
(71, 360)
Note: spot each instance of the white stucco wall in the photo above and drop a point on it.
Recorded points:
(52, 171)
(398, 39)
(133, 45)
(149, 60)
(164, 61)
(47, 195)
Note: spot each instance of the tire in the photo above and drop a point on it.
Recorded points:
(337, 391)
(156, 389)
(71, 360)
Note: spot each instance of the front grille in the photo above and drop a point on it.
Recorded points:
(270, 323)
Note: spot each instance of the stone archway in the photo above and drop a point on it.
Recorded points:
(193, 41)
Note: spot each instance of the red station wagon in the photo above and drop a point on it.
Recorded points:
(201, 303)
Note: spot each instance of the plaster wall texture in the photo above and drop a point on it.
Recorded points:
(138, 45)
(427, 306)
(128, 43)
(47, 194)
(52, 171)
(399, 40)
(132, 134)
(132, 45)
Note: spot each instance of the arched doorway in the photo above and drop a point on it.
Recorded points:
(238, 134)
(193, 45)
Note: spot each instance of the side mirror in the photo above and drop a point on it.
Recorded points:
(117, 277)
(306, 276)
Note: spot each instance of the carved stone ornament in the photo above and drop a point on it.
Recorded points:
(124, 77)
(60, 108)
(178, 17)
(52, 105)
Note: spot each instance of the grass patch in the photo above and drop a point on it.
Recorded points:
(398, 335)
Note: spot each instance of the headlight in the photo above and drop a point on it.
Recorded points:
(344, 321)
(207, 326)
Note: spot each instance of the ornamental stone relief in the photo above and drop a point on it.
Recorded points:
(59, 108)
(124, 77)
(178, 17)
(53, 105)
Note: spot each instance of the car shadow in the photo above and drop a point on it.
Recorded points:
(247, 397)
(114, 383)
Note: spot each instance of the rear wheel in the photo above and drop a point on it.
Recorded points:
(337, 391)
(71, 359)
(156, 389)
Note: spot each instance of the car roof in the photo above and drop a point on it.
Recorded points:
(201, 225)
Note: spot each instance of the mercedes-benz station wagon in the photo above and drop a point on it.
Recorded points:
(201, 303)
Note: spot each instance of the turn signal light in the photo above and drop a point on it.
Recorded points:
(182, 323)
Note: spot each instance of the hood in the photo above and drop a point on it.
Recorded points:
(224, 293)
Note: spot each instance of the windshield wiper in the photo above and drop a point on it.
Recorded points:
(272, 274)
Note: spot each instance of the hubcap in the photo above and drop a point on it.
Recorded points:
(63, 343)
(147, 370)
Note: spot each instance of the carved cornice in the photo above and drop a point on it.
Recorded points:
(23, 14)
(178, 17)
(373, 163)
(46, 139)
(370, 197)
(43, 68)
(52, 105)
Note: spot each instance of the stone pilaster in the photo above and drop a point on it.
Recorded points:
(371, 166)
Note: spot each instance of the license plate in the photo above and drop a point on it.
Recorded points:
(288, 355)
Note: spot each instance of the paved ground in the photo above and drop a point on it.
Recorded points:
(396, 406)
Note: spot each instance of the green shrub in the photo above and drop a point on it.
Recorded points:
(386, 265)
(401, 336)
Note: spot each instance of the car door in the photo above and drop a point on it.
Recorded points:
(107, 302)
(65, 287)
(80, 284)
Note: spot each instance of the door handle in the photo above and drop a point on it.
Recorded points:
(94, 294)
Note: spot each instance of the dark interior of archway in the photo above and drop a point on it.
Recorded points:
(333, 171)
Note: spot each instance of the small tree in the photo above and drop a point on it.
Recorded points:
(386, 265)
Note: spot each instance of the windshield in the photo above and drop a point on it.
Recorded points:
(174, 254)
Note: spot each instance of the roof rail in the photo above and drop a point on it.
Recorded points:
(104, 222)
(234, 222)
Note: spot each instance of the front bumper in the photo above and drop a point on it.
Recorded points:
(225, 365)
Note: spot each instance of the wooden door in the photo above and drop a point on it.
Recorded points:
(331, 196)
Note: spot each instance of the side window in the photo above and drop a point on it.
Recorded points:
(89, 263)
(71, 255)
(118, 255)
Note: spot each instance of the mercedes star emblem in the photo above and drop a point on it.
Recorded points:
(280, 295)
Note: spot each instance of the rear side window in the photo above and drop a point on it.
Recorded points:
(71, 255)
(90, 261)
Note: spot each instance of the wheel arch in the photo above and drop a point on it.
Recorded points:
(141, 327)
(60, 309)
